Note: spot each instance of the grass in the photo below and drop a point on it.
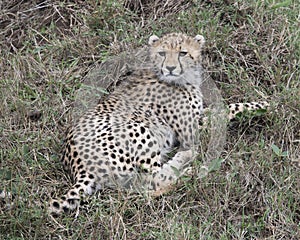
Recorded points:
(252, 53)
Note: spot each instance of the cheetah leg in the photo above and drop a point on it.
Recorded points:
(71, 200)
(163, 180)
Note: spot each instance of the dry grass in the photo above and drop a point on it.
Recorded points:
(48, 47)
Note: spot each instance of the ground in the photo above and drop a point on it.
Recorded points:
(252, 52)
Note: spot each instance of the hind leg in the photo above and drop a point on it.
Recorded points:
(163, 180)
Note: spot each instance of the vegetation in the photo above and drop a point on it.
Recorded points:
(252, 52)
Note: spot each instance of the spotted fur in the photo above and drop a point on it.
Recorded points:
(125, 140)
(237, 108)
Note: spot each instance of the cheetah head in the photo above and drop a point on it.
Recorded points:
(176, 57)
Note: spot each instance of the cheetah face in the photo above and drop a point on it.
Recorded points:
(175, 56)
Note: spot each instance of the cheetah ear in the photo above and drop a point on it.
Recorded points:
(199, 39)
(153, 39)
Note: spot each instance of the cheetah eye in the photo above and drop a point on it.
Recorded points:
(162, 54)
(182, 53)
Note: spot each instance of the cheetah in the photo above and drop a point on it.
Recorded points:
(125, 141)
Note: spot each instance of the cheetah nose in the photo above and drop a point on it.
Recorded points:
(170, 68)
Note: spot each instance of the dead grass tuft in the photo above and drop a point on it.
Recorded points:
(19, 18)
(156, 9)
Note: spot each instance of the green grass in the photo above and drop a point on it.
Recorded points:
(252, 53)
